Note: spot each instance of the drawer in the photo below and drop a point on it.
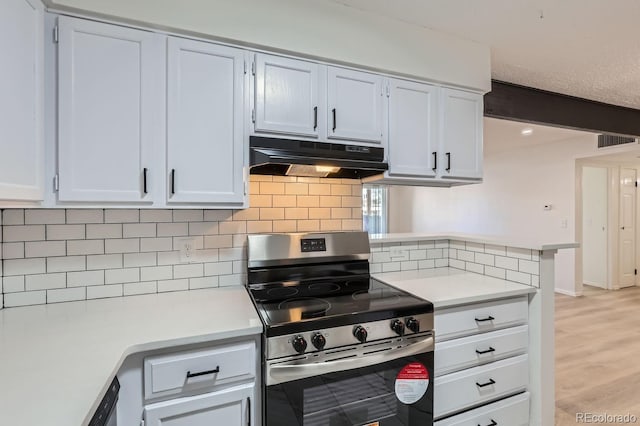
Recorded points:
(481, 317)
(475, 386)
(458, 354)
(512, 411)
(186, 371)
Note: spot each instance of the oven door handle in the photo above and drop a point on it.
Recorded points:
(287, 373)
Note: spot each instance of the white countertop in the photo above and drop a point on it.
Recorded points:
(57, 360)
(446, 287)
(483, 239)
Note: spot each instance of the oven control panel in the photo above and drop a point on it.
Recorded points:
(313, 244)
(348, 335)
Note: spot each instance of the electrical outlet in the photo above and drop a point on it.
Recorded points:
(187, 248)
(397, 253)
(564, 223)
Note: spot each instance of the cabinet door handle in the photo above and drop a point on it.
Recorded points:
(315, 118)
(435, 160)
(248, 411)
(448, 154)
(203, 373)
(489, 318)
(144, 180)
(489, 383)
(493, 423)
(173, 181)
(333, 111)
(485, 351)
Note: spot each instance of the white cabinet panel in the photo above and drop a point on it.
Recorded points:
(461, 134)
(412, 129)
(456, 391)
(480, 317)
(512, 411)
(21, 100)
(229, 407)
(205, 152)
(286, 96)
(110, 95)
(354, 105)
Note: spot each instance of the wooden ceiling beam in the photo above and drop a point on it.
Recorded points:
(520, 103)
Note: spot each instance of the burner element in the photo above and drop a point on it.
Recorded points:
(309, 307)
(389, 297)
(282, 292)
(323, 288)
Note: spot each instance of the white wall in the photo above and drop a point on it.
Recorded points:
(594, 226)
(321, 29)
(519, 179)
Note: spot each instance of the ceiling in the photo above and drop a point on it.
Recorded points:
(584, 48)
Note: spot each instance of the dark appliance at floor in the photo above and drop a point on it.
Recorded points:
(339, 348)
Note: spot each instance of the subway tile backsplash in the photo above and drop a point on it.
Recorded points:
(59, 255)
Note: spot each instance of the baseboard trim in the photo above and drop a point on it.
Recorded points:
(567, 292)
(594, 284)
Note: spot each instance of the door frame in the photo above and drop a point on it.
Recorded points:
(613, 211)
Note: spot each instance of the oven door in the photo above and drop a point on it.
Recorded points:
(376, 391)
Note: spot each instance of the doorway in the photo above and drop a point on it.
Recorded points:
(594, 226)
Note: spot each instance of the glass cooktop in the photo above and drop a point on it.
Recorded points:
(290, 307)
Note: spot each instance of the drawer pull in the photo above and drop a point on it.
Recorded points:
(489, 383)
(493, 423)
(202, 373)
(489, 318)
(486, 351)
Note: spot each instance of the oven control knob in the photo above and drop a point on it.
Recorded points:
(413, 324)
(360, 333)
(318, 341)
(299, 344)
(398, 327)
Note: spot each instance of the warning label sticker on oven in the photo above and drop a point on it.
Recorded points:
(412, 383)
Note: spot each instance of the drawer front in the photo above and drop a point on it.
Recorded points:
(474, 386)
(479, 318)
(466, 352)
(512, 411)
(175, 373)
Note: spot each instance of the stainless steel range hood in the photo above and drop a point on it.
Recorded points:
(272, 156)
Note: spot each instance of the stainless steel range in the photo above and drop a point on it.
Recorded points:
(340, 348)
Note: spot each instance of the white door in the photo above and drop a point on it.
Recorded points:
(205, 139)
(354, 105)
(286, 96)
(627, 236)
(229, 407)
(21, 100)
(461, 155)
(110, 84)
(594, 226)
(412, 129)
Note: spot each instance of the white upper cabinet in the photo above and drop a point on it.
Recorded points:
(286, 96)
(461, 134)
(355, 105)
(110, 95)
(21, 100)
(412, 143)
(205, 149)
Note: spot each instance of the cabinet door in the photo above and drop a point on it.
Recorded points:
(461, 134)
(286, 96)
(355, 105)
(412, 129)
(204, 123)
(21, 100)
(110, 97)
(229, 407)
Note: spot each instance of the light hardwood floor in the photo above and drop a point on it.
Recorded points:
(597, 354)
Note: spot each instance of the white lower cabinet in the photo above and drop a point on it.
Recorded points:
(229, 407)
(481, 364)
(512, 411)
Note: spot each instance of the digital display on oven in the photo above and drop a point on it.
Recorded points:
(313, 244)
